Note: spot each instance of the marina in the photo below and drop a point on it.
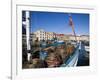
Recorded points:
(45, 49)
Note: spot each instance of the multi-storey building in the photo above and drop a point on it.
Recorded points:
(72, 38)
(84, 37)
(79, 38)
(40, 34)
(62, 37)
(43, 35)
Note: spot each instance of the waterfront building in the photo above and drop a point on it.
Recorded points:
(43, 35)
(84, 37)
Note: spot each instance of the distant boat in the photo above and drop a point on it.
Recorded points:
(60, 41)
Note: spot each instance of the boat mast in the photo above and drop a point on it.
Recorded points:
(72, 25)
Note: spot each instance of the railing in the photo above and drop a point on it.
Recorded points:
(72, 60)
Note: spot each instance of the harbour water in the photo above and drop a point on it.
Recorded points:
(83, 60)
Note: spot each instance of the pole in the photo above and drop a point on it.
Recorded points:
(74, 32)
(28, 35)
(72, 25)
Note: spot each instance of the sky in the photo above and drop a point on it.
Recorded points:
(59, 22)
